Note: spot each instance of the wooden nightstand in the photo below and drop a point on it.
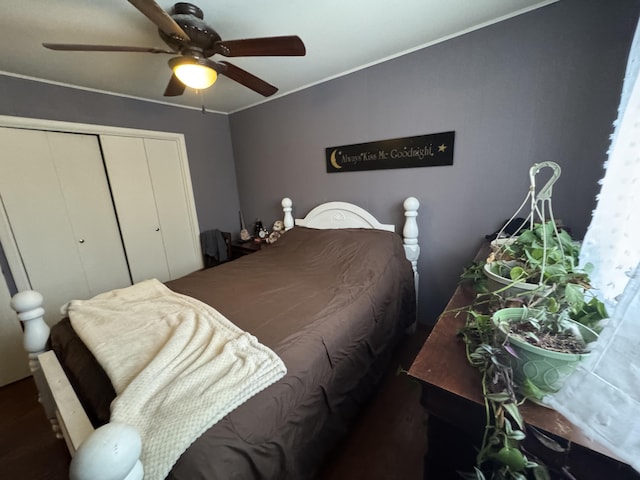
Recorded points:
(239, 249)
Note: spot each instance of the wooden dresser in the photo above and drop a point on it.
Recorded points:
(452, 396)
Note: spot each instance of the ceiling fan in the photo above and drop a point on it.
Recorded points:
(193, 41)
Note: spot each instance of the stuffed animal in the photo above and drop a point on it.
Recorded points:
(273, 236)
(276, 232)
(278, 226)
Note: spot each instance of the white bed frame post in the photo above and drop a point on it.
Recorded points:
(411, 247)
(287, 206)
(113, 450)
(28, 306)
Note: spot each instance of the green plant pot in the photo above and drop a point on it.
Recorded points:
(506, 288)
(546, 369)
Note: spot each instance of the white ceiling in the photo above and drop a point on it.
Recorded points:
(341, 36)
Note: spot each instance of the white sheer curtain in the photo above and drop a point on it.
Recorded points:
(602, 397)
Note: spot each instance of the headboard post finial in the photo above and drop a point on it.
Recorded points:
(287, 206)
(410, 234)
(410, 230)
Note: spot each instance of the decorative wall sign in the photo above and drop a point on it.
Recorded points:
(431, 150)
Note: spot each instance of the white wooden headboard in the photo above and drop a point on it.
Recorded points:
(341, 215)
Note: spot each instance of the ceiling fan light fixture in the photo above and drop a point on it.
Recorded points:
(193, 73)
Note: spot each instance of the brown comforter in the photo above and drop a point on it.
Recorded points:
(331, 304)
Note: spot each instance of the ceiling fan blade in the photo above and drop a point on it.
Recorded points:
(174, 88)
(78, 47)
(245, 78)
(286, 46)
(162, 19)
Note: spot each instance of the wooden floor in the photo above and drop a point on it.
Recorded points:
(388, 443)
(28, 448)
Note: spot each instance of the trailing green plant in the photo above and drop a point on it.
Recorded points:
(474, 275)
(501, 455)
(542, 254)
(575, 299)
(547, 255)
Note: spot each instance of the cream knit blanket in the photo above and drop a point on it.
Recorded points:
(178, 366)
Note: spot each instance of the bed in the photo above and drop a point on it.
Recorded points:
(331, 299)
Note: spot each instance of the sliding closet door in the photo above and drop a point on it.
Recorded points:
(82, 177)
(172, 202)
(152, 205)
(128, 172)
(57, 202)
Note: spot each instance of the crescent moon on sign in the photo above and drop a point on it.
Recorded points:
(333, 160)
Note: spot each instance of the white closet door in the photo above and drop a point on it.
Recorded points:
(14, 362)
(35, 167)
(172, 201)
(128, 171)
(84, 186)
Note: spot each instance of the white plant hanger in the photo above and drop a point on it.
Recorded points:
(540, 208)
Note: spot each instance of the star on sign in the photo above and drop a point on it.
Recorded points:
(442, 148)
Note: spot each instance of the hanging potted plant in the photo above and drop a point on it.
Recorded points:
(533, 261)
(531, 297)
(524, 348)
(544, 346)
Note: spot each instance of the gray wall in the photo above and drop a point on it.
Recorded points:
(207, 136)
(541, 86)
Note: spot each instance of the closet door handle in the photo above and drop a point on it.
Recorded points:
(81, 240)
(157, 229)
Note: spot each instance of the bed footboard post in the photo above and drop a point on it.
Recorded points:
(287, 206)
(410, 235)
(114, 448)
(28, 306)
